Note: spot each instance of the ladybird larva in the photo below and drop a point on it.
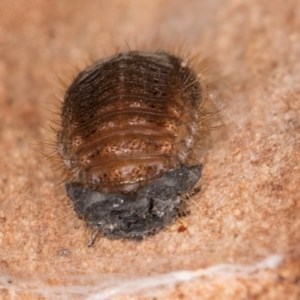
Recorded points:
(129, 123)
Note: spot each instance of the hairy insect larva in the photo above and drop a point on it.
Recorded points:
(129, 123)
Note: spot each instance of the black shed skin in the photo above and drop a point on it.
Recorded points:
(119, 216)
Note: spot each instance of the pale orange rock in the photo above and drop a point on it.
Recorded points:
(242, 237)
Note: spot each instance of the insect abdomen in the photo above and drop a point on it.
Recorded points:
(129, 119)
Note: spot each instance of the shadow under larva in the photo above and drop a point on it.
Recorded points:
(130, 124)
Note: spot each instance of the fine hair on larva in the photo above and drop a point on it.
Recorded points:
(140, 133)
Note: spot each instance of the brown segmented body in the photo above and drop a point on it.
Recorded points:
(128, 119)
(130, 124)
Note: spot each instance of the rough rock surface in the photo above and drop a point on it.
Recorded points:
(242, 238)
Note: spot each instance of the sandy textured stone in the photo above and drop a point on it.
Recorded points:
(243, 235)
